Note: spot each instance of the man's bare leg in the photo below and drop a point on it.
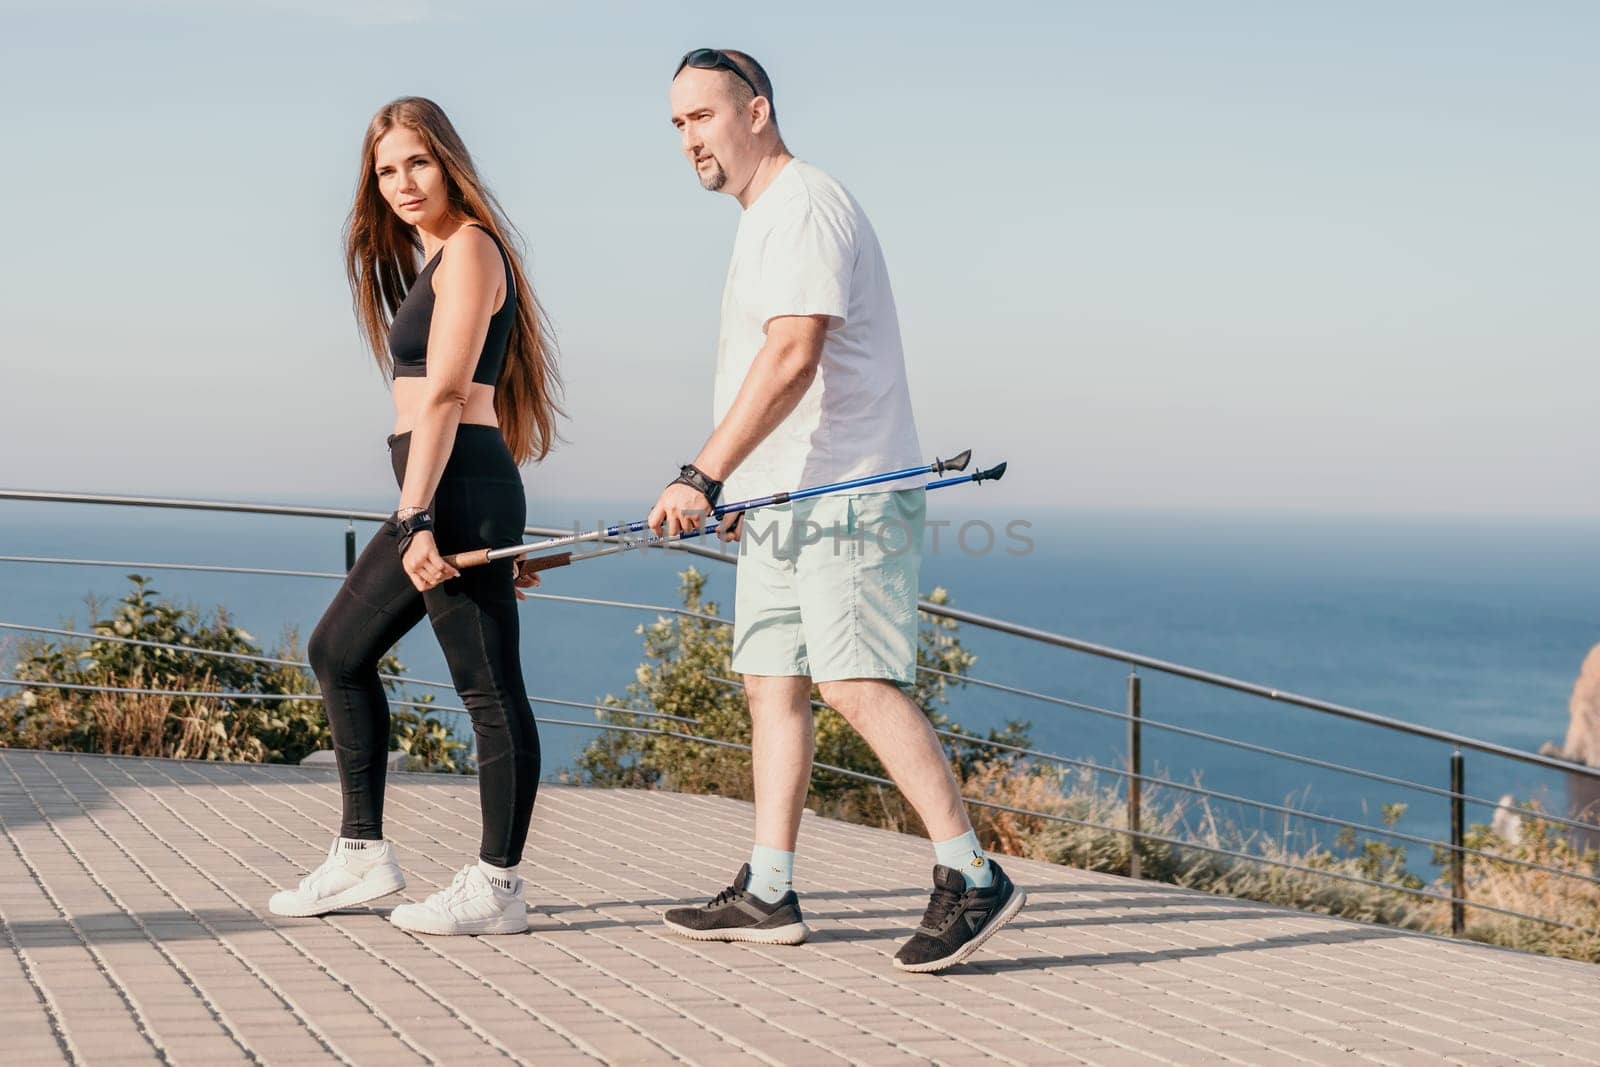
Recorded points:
(782, 744)
(902, 738)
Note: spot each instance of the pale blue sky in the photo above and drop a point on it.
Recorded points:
(1177, 256)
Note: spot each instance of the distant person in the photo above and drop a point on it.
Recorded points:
(444, 302)
(811, 387)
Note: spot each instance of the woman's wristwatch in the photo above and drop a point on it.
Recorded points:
(409, 522)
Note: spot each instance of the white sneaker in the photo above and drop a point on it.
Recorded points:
(473, 903)
(354, 873)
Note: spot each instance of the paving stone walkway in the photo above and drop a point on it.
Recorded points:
(133, 894)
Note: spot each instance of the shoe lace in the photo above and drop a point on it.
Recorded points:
(727, 896)
(455, 891)
(943, 904)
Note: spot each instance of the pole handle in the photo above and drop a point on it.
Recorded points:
(957, 462)
(545, 563)
(479, 556)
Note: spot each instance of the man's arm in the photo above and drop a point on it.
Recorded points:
(780, 375)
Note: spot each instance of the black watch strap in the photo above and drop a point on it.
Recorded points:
(695, 478)
(412, 525)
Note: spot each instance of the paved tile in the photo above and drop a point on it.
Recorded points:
(133, 894)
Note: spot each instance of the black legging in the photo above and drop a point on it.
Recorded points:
(479, 503)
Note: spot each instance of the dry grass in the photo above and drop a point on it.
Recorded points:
(1083, 797)
(125, 724)
(1498, 883)
(1571, 900)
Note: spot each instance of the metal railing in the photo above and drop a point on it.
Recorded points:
(1133, 774)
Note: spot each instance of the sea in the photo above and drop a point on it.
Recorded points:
(1475, 626)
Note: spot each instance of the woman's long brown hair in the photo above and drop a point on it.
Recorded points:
(381, 254)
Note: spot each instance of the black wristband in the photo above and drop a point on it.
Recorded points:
(412, 525)
(695, 478)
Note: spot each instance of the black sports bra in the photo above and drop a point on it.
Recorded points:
(408, 333)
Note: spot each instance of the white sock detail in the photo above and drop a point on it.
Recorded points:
(504, 879)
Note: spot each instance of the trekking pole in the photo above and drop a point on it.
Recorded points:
(562, 559)
(479, 556)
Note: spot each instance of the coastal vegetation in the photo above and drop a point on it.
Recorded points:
(236, 703)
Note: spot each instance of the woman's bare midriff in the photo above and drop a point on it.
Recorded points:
(411, 393)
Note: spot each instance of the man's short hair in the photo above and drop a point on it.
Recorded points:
(758, 77)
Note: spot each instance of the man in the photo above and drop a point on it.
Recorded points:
(811, 388)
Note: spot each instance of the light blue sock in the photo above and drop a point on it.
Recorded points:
(771, 873)
(966, 855)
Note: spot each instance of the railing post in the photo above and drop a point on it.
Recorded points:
(349, 546)
(1134, 770)
(1458, 858)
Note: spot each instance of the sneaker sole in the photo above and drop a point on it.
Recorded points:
(793, 934)
(962, 954)
(489, 927)
(355, 895)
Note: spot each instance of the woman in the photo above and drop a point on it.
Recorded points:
(474, 397)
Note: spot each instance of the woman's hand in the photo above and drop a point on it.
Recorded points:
(523, 580)
(423, 564)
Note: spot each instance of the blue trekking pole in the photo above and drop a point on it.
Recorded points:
(479, 556)
(562, 559)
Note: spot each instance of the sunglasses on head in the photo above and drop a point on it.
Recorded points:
(714, 59)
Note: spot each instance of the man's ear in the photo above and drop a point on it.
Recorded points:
(760, 114)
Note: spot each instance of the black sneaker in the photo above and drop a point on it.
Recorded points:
(958, 920)
(735, 914)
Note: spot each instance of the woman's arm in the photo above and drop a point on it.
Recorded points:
(466, 285)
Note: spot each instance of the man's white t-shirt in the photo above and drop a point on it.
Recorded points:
(805, 247)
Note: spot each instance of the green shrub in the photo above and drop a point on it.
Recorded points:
(277, 730)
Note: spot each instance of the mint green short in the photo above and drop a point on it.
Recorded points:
(827, 588)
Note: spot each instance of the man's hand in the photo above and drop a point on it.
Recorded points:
(680, 507)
